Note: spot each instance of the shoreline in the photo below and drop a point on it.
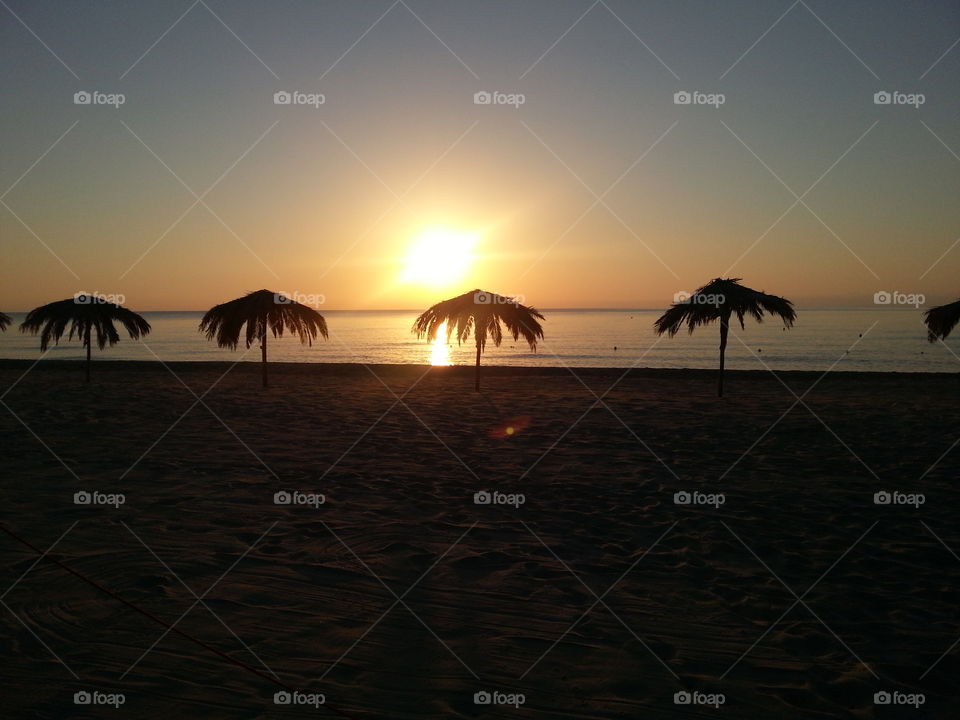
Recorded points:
(485, 370)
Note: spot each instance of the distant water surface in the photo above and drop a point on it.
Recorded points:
(893, 339)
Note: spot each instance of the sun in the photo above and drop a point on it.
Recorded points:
(439, 256)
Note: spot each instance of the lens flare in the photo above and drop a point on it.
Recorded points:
(511, 427)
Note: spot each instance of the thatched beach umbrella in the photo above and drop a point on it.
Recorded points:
(941, 320)
(718, 300)
(261, 311)
(482, 313)
(4, 321)
(86, 314)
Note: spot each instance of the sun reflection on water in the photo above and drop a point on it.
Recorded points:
(440, 351)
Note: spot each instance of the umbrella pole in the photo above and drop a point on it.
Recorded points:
(724, 328)
(87, 341)
(263, 357)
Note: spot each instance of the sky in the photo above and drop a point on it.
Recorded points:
(584, 184)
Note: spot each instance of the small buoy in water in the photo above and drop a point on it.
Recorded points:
(759, 349)
(614, 347)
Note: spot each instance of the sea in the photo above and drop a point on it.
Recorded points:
(883, 339)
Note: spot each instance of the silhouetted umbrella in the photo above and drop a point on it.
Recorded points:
(85, 314)
(259, 311)
(4, 321)
(941, 320)
(718, 300)
(483, 313)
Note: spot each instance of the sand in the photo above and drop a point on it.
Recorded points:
(491, 597)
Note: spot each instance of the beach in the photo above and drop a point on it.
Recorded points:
(384, 585)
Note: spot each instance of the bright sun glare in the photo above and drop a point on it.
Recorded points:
(439, 257)
(440, 351)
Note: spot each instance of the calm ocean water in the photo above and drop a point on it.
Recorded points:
(893, 340)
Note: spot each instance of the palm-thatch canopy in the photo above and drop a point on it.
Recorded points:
(720, 299)
(941, 320)
(85, 319)
(484, 314)
(262, 311)
(4, 321)
(723, 297)
(86, 316)
(257, 310)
